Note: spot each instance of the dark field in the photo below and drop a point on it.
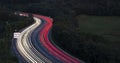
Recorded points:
(95, 40)
(106, 26)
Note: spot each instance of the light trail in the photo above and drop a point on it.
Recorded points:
(24, 46)
(27, 49)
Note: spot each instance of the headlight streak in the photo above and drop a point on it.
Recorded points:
(24, 47)
(27, 48)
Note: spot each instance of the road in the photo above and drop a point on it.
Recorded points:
(34, 46)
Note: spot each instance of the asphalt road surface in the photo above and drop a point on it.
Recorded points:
(33, 44)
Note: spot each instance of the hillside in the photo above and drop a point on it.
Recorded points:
(78, 26)
(91, 7)
(95, 40)
(8, 24)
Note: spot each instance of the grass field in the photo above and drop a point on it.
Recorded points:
(96, 39)
(106, 26)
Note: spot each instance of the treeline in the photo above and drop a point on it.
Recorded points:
(91, 7)
(9, 23)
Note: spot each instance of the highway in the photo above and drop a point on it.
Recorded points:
(25, 48)
(53, 49)
(33, 44)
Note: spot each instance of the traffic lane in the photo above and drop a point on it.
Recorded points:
(21, 45)
(54, 53)
(40, 47)
(32, 42)
(48, 26)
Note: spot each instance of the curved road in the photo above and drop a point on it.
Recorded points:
(33, 44)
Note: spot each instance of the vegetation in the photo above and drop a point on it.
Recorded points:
(107, 26)
(8, 24)
(94, 39)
